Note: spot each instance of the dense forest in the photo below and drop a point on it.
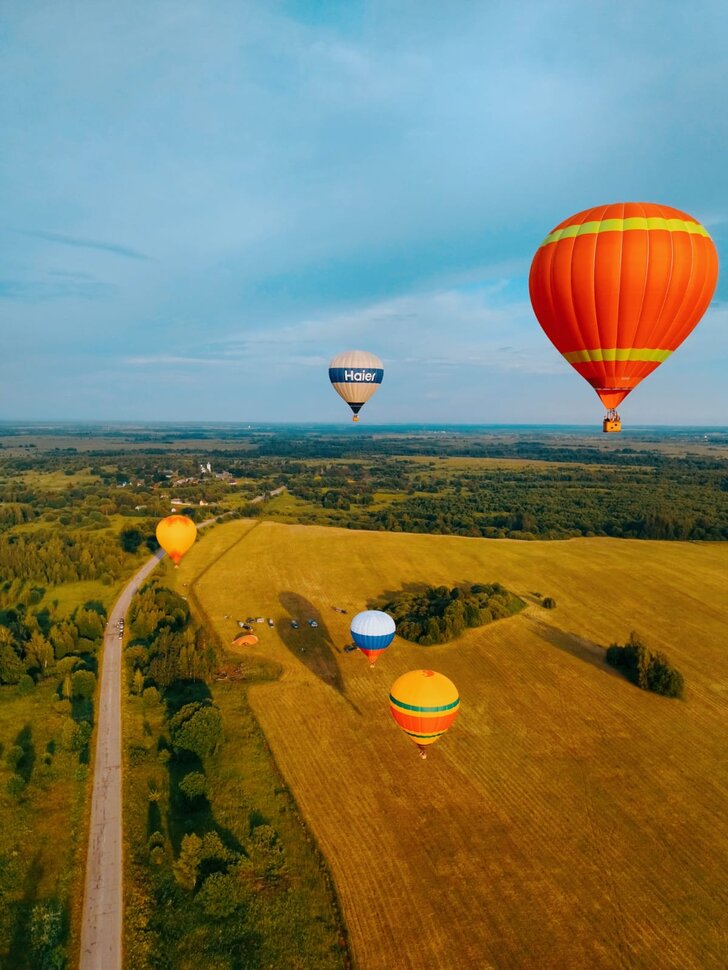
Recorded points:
(69, 515)
(438, 614)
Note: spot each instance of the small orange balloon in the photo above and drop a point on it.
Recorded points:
(175, 535)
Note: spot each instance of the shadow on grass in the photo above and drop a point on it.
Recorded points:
(26, 764)
(190, 815)
(574, 645)
(20, 955)
(379, 602)
(154, 819)
(314, 648)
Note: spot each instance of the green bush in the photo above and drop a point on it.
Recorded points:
(648, 670)
(15, 786)
(221, 894)
(83, 683)
(13, 756)
(193, 785)
(25, 685)
(197, 728)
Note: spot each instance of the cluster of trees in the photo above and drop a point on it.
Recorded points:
(438, 614)
(207, 882)
(33, 644)
(647, 669)
(165, 644)
(55, 556)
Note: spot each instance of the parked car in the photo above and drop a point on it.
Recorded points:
(294, 624)
(260, 619)
(270, 622)
(313, 624)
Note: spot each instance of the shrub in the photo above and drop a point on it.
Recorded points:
(25, 685)
(150, 696)
(155, 839)
(83, 683)
(649, 671)
(186, 867)
(15, 786)
(193, 785)
(46, 934)
(13, 756)
(197, 728)
(220, 895)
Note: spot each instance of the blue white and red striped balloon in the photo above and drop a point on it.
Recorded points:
(372, 631)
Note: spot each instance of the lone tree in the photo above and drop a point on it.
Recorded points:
(197, 728)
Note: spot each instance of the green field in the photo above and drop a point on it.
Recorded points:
(42, 826)
(568, 819)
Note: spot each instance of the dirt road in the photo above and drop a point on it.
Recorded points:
(103, 904)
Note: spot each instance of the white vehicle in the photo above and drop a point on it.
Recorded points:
(313, 624)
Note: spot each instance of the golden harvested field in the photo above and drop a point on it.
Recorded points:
(568, 820)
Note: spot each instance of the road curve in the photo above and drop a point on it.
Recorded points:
(103, 901)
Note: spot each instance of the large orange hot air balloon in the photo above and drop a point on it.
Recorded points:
(175, 534)
(424, 704)
(618, 288)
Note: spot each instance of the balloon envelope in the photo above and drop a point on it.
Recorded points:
(424, 704)
(355, 376)
(372, 631)
(175, 535)
(619, 287)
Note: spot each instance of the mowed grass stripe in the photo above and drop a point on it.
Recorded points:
(567, 819)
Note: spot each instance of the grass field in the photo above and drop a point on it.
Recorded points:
(42, 826)
(568, 819)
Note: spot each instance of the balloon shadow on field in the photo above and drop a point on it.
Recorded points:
(573, 644)
(189, 815)
(313, 647)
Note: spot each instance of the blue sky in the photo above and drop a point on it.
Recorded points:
(202, 202)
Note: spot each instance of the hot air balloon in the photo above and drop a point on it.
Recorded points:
(355, 376)
(618, 288)
(245, 641)
(372, 631)
(424, 704)
(175, 534)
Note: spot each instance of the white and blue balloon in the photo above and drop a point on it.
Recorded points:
(372, 631)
